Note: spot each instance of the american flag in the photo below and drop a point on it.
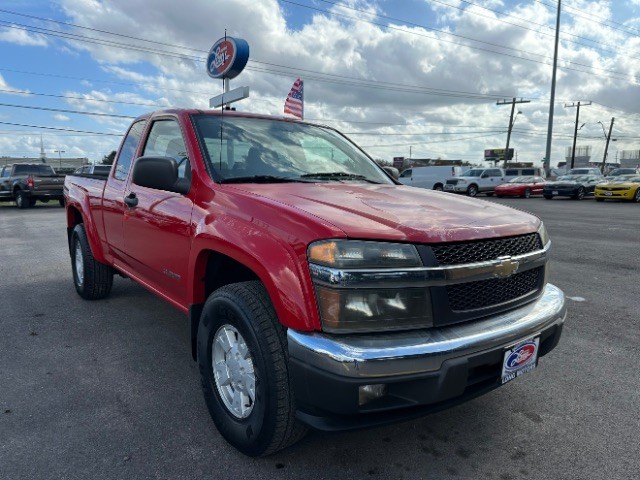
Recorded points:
(294, 104)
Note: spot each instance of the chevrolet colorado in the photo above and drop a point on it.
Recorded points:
(319, 291)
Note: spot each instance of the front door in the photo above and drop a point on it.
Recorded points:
(157, 231)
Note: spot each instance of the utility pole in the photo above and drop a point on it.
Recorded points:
(575, 131)
(547, 156)
(606, 147)
(511, 122)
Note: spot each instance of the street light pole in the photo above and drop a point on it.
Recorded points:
(59, 152)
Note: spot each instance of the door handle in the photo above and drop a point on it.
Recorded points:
(131, 200)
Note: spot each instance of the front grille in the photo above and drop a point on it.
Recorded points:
(613, 189)
(479, 251)
(486, 293)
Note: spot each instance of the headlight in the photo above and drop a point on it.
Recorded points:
(462, 182)
(544, 236)
(359, 254)
(359, 309)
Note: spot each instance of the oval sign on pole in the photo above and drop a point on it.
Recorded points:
(227, 58)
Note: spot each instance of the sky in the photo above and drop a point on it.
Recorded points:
(410, 78)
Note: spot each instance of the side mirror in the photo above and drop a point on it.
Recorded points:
(160, 173)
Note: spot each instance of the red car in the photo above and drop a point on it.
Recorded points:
(521, 187)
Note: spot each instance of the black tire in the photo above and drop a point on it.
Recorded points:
(32, 202)
(243, 313)
(636, 197)
(95, 279)
(438, 187)
(61, 201)
(579, 194)
(22, 200)
(527, 193)
(472, 190)
(548, 197)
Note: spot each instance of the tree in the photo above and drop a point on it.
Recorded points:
(108, 159)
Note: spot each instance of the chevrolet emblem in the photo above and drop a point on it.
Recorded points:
(506, 267)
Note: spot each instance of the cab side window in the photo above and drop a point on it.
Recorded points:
(6, 172)
(165, 140)
(406, 173)
(128, 150)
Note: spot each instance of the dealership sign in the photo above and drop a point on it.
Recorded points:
(497, 154)
(227, 58)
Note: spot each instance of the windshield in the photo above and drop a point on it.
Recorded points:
(264, 150)
(472, 173)
(525, 179)
(573, 178)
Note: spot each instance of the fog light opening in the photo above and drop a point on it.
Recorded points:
(369, 393)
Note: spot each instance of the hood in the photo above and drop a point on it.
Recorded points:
(396, 212)
(564, 182)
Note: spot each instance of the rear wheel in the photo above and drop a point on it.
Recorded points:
(93, 280)
(22, 200)
(243, 361)
(579, 194)
(472, 190)
(32, 202)
(438, 187)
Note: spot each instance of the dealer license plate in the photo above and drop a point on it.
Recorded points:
(555, 192)
(520, 359)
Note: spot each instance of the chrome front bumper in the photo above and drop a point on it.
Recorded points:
(366, 356)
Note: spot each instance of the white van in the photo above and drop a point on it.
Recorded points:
(513, 172)
(433, 178)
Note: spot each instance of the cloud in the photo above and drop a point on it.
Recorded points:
(360, 65)
(61, 118)
(15, 35)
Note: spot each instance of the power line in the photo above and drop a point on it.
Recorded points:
(61, 129)
(79, 112)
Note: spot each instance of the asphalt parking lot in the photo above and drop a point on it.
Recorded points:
(108, 389)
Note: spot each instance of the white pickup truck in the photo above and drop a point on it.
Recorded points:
(476, 180)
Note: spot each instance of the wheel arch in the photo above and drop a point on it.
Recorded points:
(213, 268)
(74, 218)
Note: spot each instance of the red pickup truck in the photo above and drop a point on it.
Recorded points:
(319, 291)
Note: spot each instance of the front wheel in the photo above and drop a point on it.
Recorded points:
(93, 280)
(243, 362)
(472, 191)
(527, 193)
(636, 197)
(579, 194)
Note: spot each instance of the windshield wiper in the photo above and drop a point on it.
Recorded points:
(337, 176)
(261, 179)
